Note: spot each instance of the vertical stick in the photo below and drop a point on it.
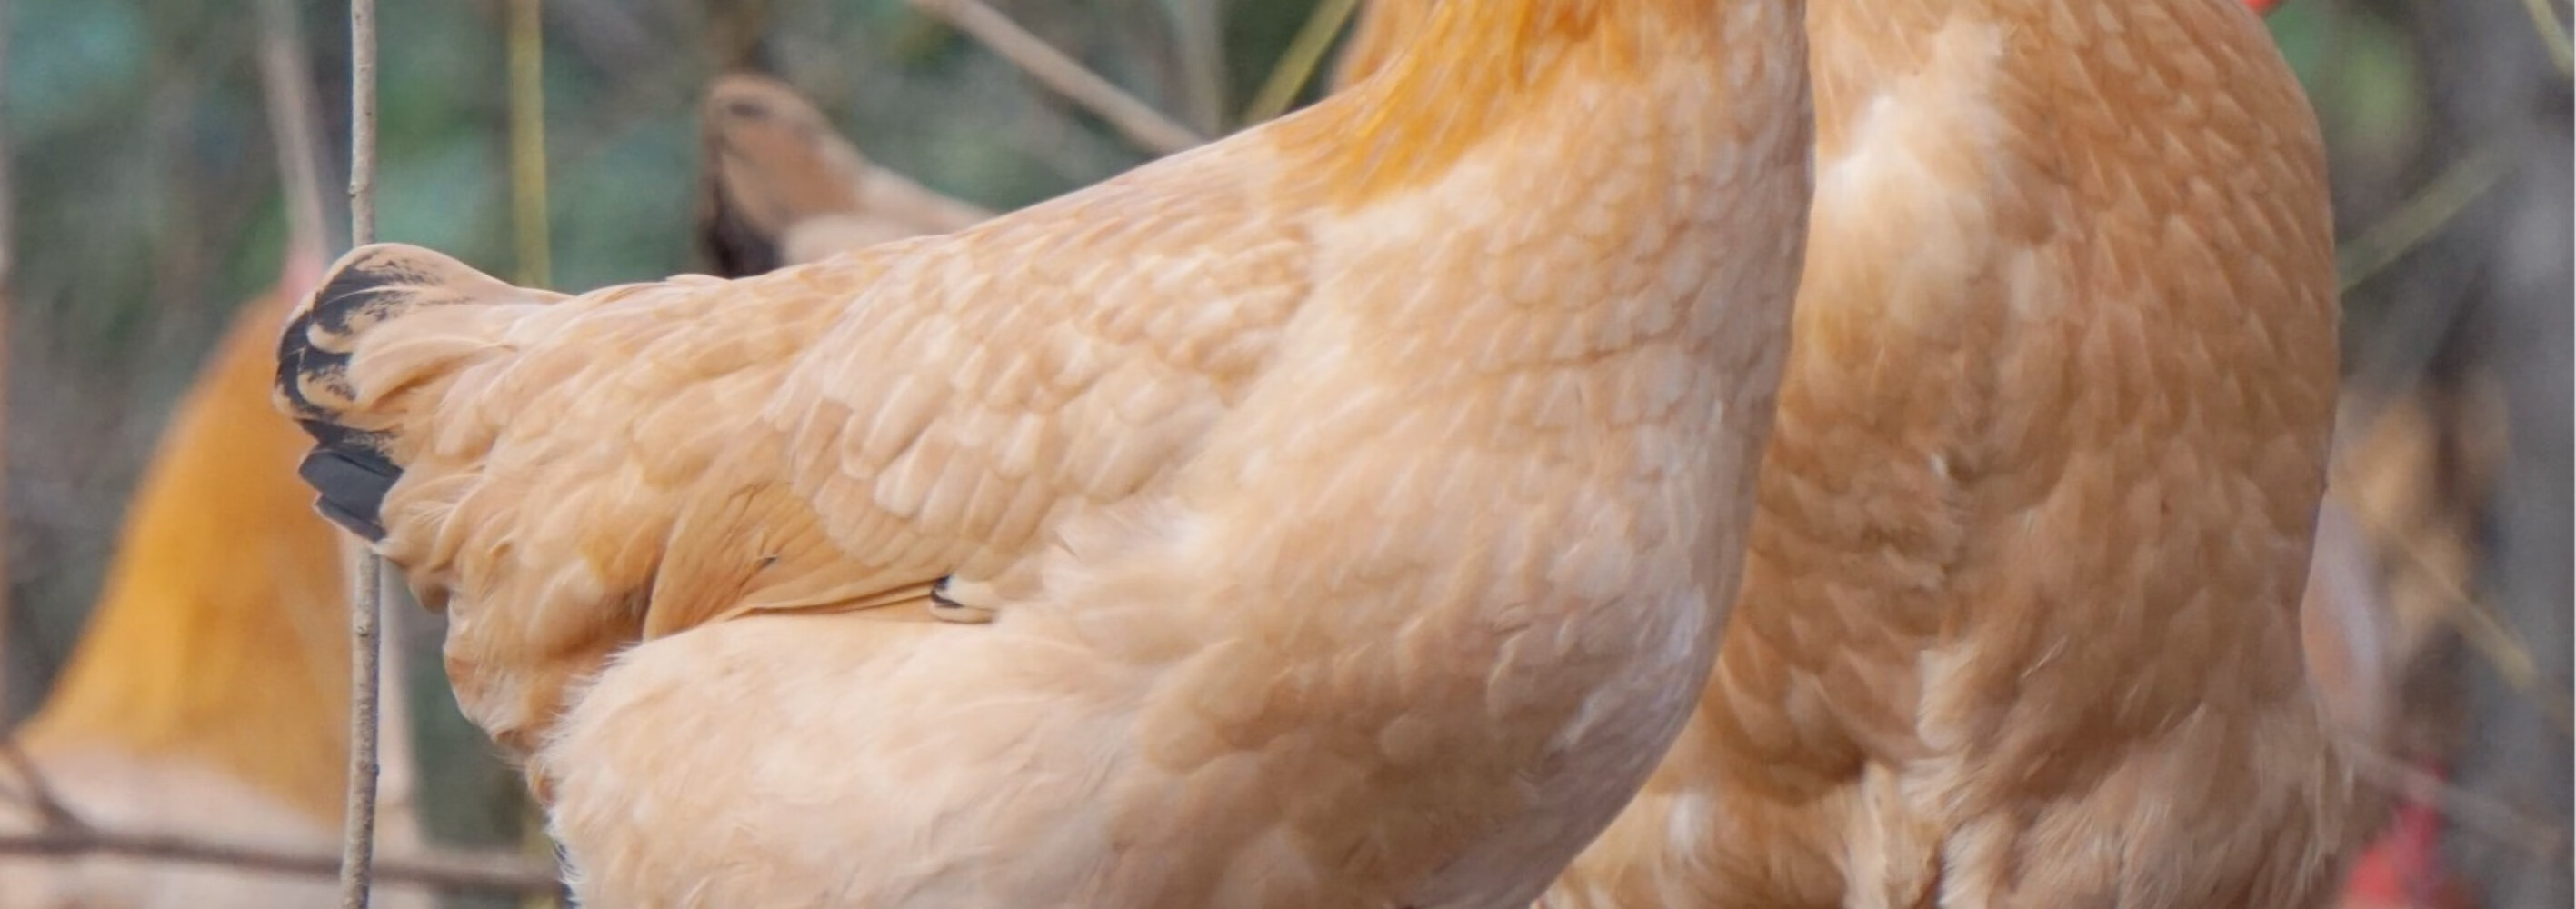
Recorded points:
(286, 85)
(358, 845)
(358, 833)
(1297, 64)
(362, 122)
(8, 262)
(528, 142)
(1199, 29)
(532, 227)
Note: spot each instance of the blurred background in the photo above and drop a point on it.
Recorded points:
(147, 205)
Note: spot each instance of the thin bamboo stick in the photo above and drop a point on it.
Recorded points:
(358, 830)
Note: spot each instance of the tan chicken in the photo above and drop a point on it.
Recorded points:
(2020, 624)
(2397, 543)
(778, 186)
(209, 696)
(1356, 499)
(2397, 549)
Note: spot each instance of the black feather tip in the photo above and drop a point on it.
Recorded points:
(352, 486)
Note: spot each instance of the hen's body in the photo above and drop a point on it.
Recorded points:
(2020, 621)
(1356, 531)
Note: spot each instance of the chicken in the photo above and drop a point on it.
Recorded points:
(2397, 544)
(208, 698)
(1355, 501)
(778, 186)
(2020, 622)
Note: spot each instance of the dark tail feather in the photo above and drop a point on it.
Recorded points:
(352, 486)
(351, 467)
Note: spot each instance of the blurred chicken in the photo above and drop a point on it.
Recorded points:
(2397, 548)
(2020, 622)
(209, 696)
(1356, 498)
(778, 186)
(2395, 573)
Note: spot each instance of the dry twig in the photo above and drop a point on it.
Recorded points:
(1198, 33)
(528, 144)
(288, 90)
(2553, 34)
(1297, 64)
(1135, 119)
(8, 259)
(2420, 217)
(64, 834)
(358, 830)
(2476, 619)
(39, 795)
(499, 874)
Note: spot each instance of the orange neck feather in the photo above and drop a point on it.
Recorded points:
(219, 637)
(1456, 71)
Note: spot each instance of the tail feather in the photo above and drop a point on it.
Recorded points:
(352, 486)
(353, 462)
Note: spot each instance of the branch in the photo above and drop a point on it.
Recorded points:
(40, 796)
(2553, 34)
(528, 145)
(2473, 616)
(288, 89)
(1198, 40)
(362, 122)
(2421, 216)
(1139, 122)
(8, 259)
(1297, 64)
(358, 829)
(499, 874)
(64, 834)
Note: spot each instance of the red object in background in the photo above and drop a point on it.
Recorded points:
(2403, 867)
(2262, 7)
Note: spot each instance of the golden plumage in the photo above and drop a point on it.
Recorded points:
(2020, 620)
